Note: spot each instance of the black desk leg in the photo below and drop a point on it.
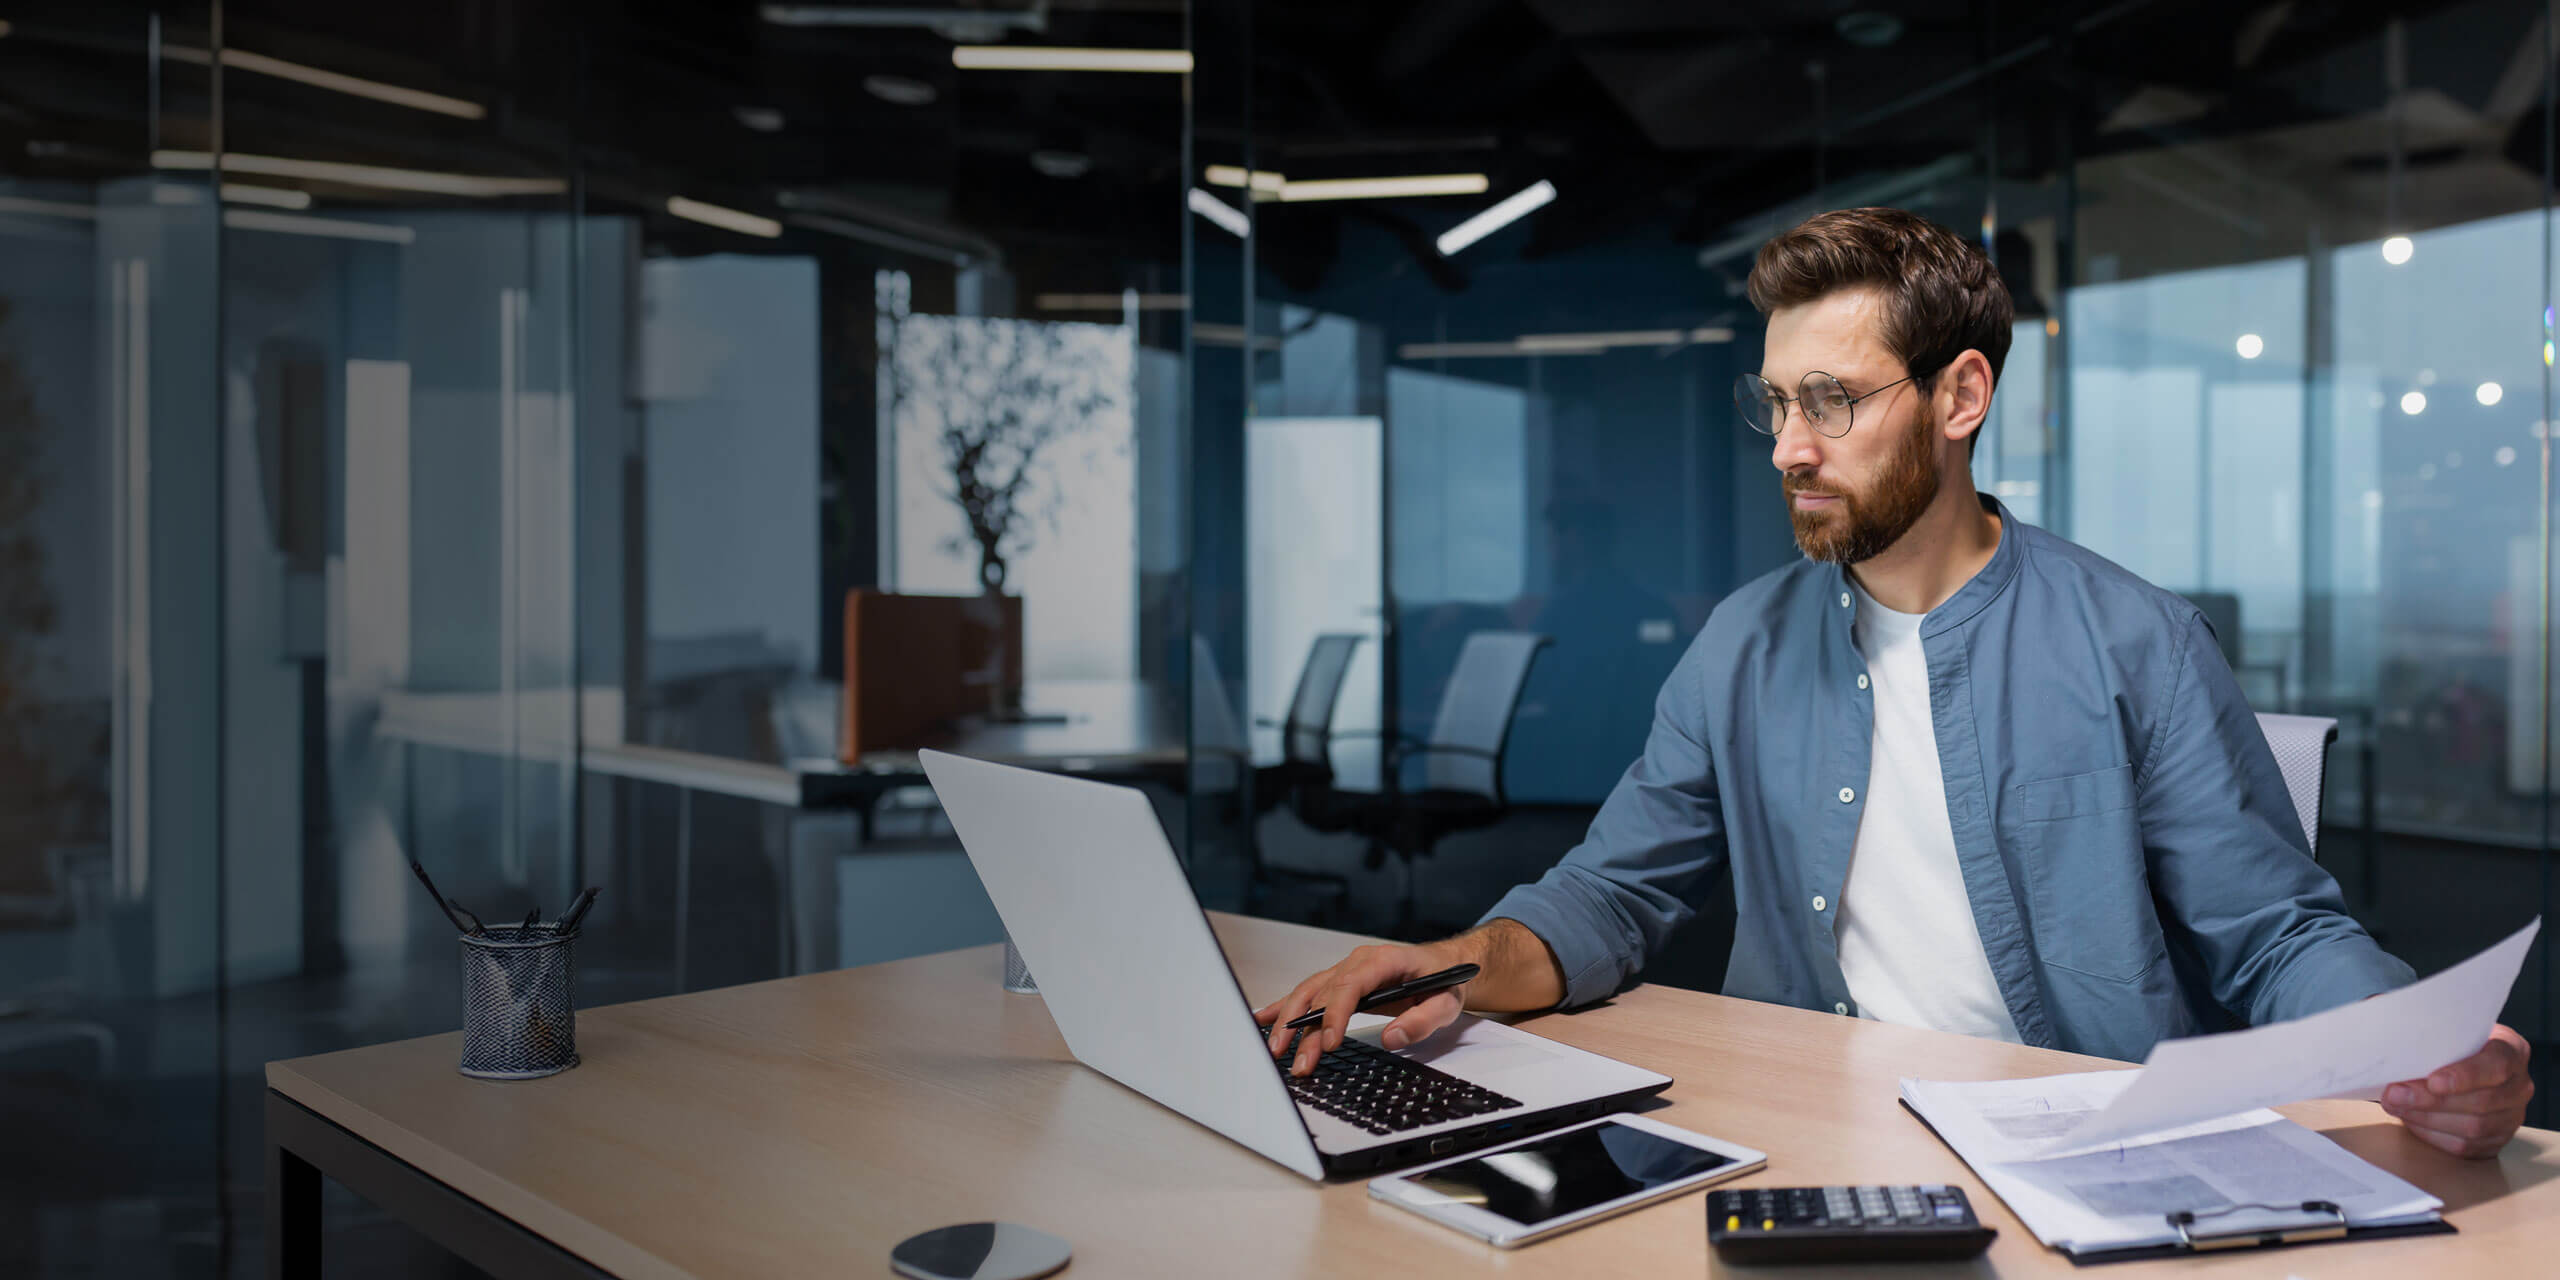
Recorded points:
(293, 1215)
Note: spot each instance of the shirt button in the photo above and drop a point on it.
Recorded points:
(1819, 902)
(1844, 599)
(1847, 795)
(1862, 682)
(1840, 1007)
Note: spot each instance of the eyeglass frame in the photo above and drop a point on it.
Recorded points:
(1778, 421)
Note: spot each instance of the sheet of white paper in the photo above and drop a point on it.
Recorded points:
(2119, 1197)
(2348, 1052)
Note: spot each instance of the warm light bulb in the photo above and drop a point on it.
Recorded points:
(2397, 249)
(2251, 345)
(2414, 403)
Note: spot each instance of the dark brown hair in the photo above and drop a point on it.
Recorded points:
(1942, 295)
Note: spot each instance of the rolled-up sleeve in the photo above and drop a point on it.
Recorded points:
(1631, 882)
(2227, 857)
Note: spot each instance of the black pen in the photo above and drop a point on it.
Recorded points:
(1421, 986)
(569, 920)
(441, 903)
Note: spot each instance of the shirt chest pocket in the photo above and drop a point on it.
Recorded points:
(2078, 841)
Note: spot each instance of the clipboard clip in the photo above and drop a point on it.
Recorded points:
(2251, 1237)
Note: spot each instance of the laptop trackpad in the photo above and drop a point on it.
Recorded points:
(1474, 1048)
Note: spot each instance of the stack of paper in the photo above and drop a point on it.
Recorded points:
(2096, 1161)
(2119, 1197)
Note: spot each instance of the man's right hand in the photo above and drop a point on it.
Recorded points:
(1518, 973)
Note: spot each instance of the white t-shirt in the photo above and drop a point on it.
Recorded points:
(1908, 945)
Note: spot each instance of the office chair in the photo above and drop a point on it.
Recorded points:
(1461, 763)
(2301, 744)
(1306, 755)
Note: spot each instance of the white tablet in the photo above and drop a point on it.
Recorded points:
(1557, 1181)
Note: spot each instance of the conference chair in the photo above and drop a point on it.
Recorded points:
(2301, 746)
(1461, 764)
(1306, 756)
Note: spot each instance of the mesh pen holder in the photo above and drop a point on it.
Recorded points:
(1017, 975)
(517, 1018)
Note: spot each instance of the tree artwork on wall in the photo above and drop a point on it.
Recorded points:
(999, 397)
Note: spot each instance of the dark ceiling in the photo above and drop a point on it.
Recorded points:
(1658, 120)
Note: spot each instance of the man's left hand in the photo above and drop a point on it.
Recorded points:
(2471, 1107)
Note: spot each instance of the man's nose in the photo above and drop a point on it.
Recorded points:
(1797, 444)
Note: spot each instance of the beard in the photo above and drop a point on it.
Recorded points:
(1863, 523)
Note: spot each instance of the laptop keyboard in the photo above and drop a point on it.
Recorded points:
(1364, 1085)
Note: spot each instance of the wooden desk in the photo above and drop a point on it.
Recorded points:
(801, 1127)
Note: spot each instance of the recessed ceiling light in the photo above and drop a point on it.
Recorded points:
(904, 91)
(1055, 163)
(1869, 28)
(2397, 250)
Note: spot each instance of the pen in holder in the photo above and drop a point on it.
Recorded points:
(518, 1021)
(1017, 975)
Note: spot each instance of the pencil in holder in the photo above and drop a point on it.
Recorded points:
(518, 1020)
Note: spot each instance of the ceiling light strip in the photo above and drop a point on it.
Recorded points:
(469, 185)
(295, 224)
(335, 82)
(712, 215)
(1227, 216)
(48, 208)
(272, 197)
(1228, 175)
(1021, 57)
(1512, 208)
(1429, 184)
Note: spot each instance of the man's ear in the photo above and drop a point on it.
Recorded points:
(1963, 395)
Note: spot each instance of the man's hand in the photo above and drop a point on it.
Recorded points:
(1518, 973)
(2471, 1107)
(1339, 990)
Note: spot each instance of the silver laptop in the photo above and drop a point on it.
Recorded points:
(1091, 892)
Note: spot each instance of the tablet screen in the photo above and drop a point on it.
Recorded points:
(1565, 1173)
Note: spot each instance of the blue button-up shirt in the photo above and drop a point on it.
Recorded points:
(2133, 859)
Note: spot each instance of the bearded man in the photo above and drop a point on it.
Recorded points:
(1965, 775)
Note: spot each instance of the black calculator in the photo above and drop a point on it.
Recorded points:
(1844, 1224)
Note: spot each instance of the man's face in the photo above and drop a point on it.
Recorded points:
(1852, 497)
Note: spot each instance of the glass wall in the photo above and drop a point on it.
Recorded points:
(470, 434)
(453, 436)
(2283, 281)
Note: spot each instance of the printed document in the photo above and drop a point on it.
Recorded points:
(2120, 1197)
(2348, 1052)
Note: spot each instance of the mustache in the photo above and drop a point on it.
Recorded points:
(1796, 482)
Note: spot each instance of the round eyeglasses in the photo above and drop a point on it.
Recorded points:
(1827, 405)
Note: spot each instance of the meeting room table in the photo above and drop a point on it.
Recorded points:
(804, 1126)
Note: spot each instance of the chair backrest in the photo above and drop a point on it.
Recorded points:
(2301, 745)
(1476, 709)
(1306, 736)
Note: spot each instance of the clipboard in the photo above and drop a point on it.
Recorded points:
(2323, 1223)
